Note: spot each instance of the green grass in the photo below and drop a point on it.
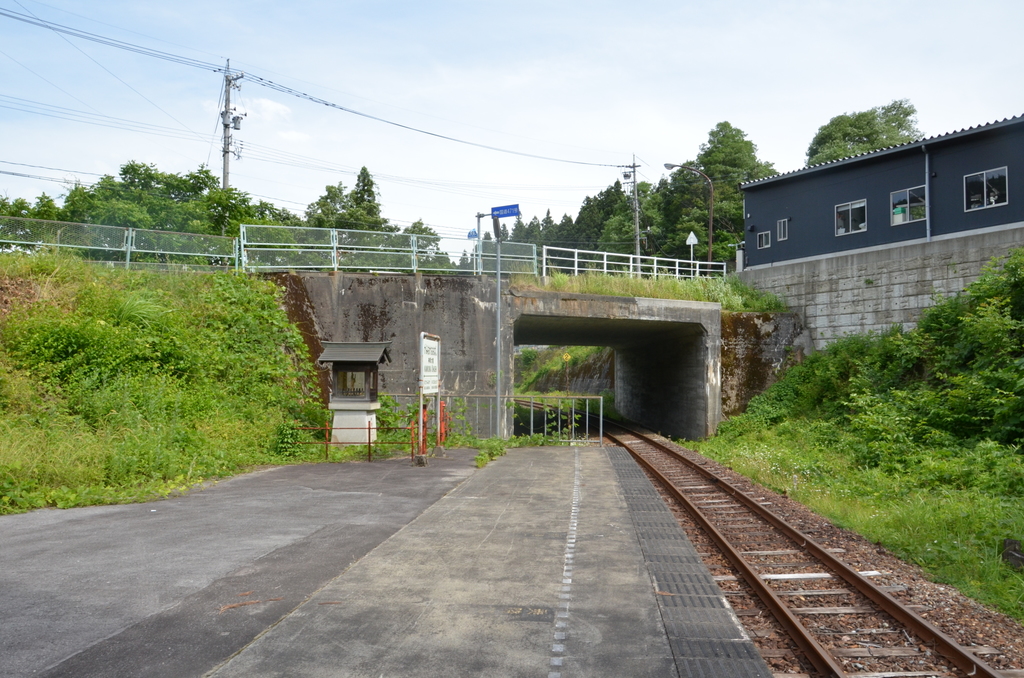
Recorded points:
(121, 385)
(954, 532)
(729, 291)
(911, 438)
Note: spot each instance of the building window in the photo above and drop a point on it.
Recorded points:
(907, 205)
(782, 229)
(852, 217)
(764, 239)
(985, 189)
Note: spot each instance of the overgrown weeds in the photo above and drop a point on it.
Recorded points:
(912, 438)
(729, 291)
(119, 385)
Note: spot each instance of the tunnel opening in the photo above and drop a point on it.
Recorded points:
(660, 367)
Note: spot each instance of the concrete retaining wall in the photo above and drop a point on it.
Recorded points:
(667, 352)
(756, 349)
(871, 290)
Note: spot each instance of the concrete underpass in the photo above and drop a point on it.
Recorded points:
(667, 353)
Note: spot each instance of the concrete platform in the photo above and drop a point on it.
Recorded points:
(136, 590)
(549, 562)
(540, 564)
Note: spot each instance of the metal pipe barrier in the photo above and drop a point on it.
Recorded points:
(370, 442)
(569, 420)
(132, 247)
(579, 262)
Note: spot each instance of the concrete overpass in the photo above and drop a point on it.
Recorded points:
(667, 353)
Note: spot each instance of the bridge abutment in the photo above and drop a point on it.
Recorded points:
(668, 353)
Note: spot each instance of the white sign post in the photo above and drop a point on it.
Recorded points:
(691, 240)
(430, 380)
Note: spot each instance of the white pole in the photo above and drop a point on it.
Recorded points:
(497, 334)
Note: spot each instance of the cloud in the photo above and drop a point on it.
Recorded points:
(266, 110)
(293, 135)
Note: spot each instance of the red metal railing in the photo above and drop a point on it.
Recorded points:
(370, 442)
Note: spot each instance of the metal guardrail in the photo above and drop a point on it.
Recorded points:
(577, 262)
(277, 248)
(270, 248)
(132, 247)
(567, 419)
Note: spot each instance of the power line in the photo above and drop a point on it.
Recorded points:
(61, 112)
(109, 42)
(32, 176)
(54, 169)
(115, 76)
(270, 84)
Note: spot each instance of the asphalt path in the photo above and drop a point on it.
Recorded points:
(141, 590)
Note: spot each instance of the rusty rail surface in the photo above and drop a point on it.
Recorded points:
(822, 660)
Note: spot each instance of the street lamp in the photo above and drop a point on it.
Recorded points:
(711, 201)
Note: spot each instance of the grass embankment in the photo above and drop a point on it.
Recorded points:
(911, 438)
(729, 291)
(122, 385)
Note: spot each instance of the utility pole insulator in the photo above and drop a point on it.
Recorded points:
(229, 121)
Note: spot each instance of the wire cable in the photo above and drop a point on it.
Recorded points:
(275, 86)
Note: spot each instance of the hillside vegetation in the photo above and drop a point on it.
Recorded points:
(121, 385)
(729, 291)
(912, 438)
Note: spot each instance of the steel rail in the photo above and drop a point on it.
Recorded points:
(943, 644)
(819, 657)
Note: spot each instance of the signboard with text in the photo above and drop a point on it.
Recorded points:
(430, 363)
(505, 211)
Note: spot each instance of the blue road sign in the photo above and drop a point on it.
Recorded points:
(505, 211)
(472, 234)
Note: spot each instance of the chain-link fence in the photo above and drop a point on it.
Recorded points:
(277, 248)
(296, 247)
(122, 246)
(516, 257)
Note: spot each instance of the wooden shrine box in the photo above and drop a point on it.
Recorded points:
(354, 382)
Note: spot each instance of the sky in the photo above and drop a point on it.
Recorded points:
(562, 93)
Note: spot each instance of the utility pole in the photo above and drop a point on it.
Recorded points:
(499, 419)
(631, 176)
(228, 118)
(479, 263)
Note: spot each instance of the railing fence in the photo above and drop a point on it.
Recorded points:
(124, 246)
(285, 248)
(578, 262)
(567, 419)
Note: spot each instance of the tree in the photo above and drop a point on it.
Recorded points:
(594, 214)
(428, 247)
(357, 210)
(727, 158)
(855, 133)
(141, 196)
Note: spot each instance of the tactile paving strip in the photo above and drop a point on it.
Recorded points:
(707, 639)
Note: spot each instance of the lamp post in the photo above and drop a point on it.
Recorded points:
(711, 201)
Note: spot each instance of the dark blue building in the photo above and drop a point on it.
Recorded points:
(936, 188)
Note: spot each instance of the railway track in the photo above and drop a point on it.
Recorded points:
(809, 612)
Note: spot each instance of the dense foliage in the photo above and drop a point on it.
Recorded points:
(141, 196)
(729, 291)
(118, 384)
(669, 210)
(851, 134)
(912, 438)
